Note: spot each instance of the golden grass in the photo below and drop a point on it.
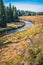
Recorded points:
(35, 19)
(18, 51)
(20, 35)
(15, 25)
(15, 53)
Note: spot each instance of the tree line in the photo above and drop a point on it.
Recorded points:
(28, 13)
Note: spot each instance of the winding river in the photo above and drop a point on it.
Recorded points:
(28, 24)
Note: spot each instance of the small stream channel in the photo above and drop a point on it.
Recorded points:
(28, 24)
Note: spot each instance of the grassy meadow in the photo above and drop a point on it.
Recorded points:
(24, 47)
(35, 19)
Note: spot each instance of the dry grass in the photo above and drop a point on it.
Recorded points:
(19, 50)
(20, 35)
(16, 52)
(35, 19)
(16, 25)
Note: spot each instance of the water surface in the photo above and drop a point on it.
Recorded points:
(28, 24)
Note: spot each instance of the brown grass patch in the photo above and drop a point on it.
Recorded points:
(35, 19)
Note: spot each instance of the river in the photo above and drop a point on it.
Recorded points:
(28, 24)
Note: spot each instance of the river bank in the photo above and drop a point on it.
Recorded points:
(28, 24)
(11, 26)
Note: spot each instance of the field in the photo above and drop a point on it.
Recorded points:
(35, 19)
(16, 25)
(24, 47)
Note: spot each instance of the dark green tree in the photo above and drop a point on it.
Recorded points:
(2, 14)
(9, 14)
(15, 15)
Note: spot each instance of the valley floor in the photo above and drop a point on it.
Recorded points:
(24, 47)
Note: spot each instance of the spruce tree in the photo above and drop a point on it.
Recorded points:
(2, 14)
(15, 15)
(9, 14)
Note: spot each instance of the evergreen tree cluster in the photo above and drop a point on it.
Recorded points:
(11, 14)
(2, 14)
(7, 14)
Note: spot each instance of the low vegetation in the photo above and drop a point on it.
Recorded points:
(16, 25)
(23, 48)
(34, 19)
(19, 35)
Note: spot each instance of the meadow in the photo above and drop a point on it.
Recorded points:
(35, 19)
(24, 47)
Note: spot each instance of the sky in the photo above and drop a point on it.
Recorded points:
(30, 5)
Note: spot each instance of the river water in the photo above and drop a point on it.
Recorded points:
(28, 24)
